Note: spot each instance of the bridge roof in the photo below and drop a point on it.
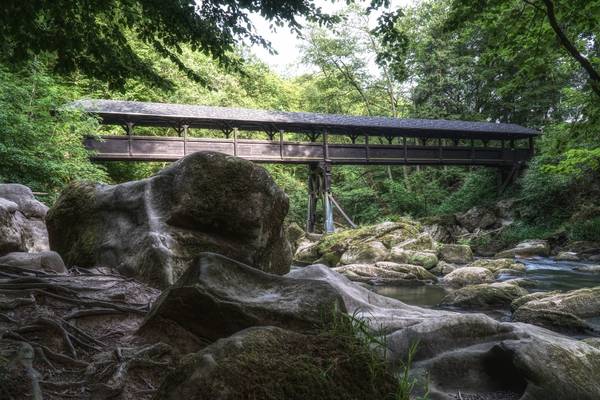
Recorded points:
(198, 116)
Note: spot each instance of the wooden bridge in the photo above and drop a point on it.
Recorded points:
(330, 140)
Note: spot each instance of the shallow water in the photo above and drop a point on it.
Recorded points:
(547, 273)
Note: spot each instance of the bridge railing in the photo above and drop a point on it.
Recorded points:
(160, 148)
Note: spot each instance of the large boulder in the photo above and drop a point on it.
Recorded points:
(468, 276)
(154, 228)
(471, 355)
(527, 249)
(568, 311)
(455, 253)
(492, 295)
(48, 261)
(22, 226)
(385, 272)
(218, 296)
(272, 363)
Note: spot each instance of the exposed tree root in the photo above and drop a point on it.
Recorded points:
(79, 327)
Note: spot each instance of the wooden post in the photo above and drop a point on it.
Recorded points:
(185, 133)
(328, 226)
(129, 137)
(281, 144)
(367, 155)
(405, 150)
(531, 147)
(325, 147)
(311, 215)
(235, 131)
(440, 150)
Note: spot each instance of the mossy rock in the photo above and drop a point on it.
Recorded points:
(455, 253)
(497, 264)
(274, 364)
(498, 294)
(422, 258)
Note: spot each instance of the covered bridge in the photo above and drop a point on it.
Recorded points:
(319, 140)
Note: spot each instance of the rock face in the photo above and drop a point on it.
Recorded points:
(561, 311)
(272, 363)
(472, 354)
(385, 272)
(497, 294)
(456, 253)
(529, 248)
(217, 297)
(48, 261)
(22, 225)
(477, 218)
(154, 228)
(468, 276)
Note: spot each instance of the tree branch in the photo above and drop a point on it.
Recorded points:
(570, 47)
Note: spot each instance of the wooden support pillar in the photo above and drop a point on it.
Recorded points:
(325, 146)
(531, 147)
(405, 149)
(281, 144)
(328, 226)
(235, 132)
(313, 189)
(440, 150)
(319, 187)
(129, 129)
(185, 134)
(367, 153)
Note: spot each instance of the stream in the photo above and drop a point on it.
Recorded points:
(547, 273)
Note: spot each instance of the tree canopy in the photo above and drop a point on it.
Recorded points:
(95, 37)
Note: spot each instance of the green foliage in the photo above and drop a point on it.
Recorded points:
(576, 163)
(41, 143)
(478, 188)
(585, 230)
(95, 37)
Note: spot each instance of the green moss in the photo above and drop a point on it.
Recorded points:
(277, 364)
(74, 209)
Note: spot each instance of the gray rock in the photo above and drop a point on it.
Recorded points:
(425, 259)
(369, 252)
(468, 276)
(218, 296)
(527, 249)
(567, 256)
(496, 265)
(385, 272)
(472, 353)
(48, 261)
(561, 311)
(455, 253)
(443, 268)
(154, 228)
(477, 218)
(22, 226)
(497, 294)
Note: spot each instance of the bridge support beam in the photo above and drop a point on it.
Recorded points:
(319, 188)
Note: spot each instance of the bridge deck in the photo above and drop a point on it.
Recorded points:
(155, 148)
